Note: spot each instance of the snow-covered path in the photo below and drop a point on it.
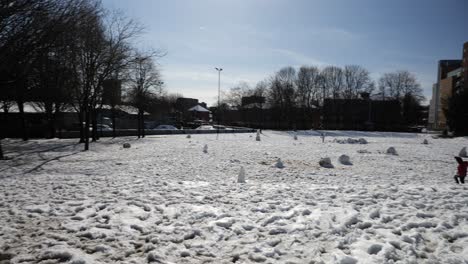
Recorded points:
(165, 201)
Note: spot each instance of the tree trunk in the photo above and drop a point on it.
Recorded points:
(142, 123)
(113, 121)
(54, 120)
(1, 151)
(81, 120)
(138, 125)
(86, 129)
(23, 120)
(95, 136)
(50, 119)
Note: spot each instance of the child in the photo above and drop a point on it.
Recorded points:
(462, 166)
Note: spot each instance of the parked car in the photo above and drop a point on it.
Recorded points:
(166, 127)
(205, 128)
(103, 127)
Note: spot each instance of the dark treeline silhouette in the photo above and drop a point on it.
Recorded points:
(61, 53)
(456, 112)
(294, 96)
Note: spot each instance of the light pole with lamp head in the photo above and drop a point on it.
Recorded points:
(219, 96)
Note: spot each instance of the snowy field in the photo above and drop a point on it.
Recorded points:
(166, 201)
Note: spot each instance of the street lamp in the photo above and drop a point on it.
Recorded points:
(219, 96)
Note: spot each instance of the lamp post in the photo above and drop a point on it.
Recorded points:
(219, 96)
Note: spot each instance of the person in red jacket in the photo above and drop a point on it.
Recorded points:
(461, 170)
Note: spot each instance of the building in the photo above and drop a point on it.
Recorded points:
(451, 75)
(200, 113)
(37, 121)
(362, 114)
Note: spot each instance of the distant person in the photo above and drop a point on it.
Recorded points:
(323, 137)
(461, 170)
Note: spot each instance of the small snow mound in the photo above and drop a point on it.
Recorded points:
(126, 145)
(189, 136)
(463, 153)
(326, 163)
(345, 160)
(392, 151)
(205, 149)
(348, 260)
(425, 142)
(61, 256)
(241, 176)
(362, 141)
(279, 164)
(374, 249)
(154, 257)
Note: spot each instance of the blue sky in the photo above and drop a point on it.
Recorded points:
(252, 39)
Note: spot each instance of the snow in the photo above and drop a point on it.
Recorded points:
(163, 201)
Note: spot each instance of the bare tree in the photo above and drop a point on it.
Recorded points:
(234, 97)
(333, 81)
(282, 94)
(144, 82)
(356, 81)
(27, 30)
(101, 50)
(396, 85)
(308, 85)
(403, 87)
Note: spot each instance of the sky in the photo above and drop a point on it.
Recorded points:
(253, 39)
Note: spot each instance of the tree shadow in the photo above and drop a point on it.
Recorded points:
(50, 160)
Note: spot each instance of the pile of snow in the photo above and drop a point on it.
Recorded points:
(392, 151)
(205, 148)
(463, 153)
(326, 163)
(257, 138)
(279, 164)
(241, 176)
(345, 160)
(126, 145)
(351, 141)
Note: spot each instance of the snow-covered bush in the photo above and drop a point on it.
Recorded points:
(326, 163)
(205, 149)
(279, 164)
(241, 176)
(392, 151)
(126, 145)
(463, 153)
(345, 160)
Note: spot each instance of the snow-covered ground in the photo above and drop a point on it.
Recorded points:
(166, 201)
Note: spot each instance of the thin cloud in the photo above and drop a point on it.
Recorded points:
(298, 57)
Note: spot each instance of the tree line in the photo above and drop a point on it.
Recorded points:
(308, 87)
(61, 53)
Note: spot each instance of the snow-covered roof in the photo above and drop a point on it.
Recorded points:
(199, 108)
